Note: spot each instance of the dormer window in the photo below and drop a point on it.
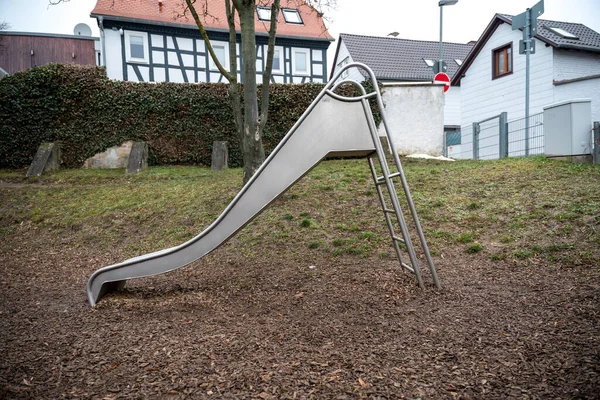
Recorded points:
(264, 13)
(428, 62)
(291, 16)
(458, 62)
(562, 33)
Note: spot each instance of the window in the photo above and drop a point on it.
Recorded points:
(300, 60)
(428, 62)
(222, 53)
(458, 62)
(562, 33)
(277, 67)
(264, 13)
(291, 16)
(136, 47)
(341, 65)
(502, 61)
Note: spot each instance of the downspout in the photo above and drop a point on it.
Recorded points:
(101, 25)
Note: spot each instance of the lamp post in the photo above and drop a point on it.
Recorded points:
(443, 3)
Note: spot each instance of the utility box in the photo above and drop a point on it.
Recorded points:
(567, 128)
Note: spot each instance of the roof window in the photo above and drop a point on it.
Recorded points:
(264, 13)
(562, 33)
(458, 62)
(291, 16)
(428, 62)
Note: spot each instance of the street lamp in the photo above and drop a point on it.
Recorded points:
(443, 3)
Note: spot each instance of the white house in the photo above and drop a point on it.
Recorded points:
(404, 67)
(152, 41)
(566, 65)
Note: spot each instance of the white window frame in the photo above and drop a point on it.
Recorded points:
(341, 65)
(281, 59)
(307, 53)
(213, 66)
(128, 57)
(264, 9)
(294, 11)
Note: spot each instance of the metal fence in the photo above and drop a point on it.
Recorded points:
(496, 137)
(486, 138)
(517, 144)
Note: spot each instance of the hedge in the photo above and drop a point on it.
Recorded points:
(83, 110)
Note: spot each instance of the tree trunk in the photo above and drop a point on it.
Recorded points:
(253, 151)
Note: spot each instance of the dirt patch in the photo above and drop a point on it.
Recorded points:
(267, 326)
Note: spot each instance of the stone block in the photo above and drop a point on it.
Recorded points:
(220, 156)
(138, 158)
(47, 158)
(113, 157)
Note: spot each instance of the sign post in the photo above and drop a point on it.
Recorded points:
(527, 21)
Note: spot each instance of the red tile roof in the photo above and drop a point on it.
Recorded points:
(171, 12)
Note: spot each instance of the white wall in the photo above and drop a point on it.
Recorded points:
(452, 106)
(482, 97)
(588, 89)
(114, 59)
(415, 116)
(570, 64)
(353, 73)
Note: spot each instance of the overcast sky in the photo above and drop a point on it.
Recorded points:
(413, 19)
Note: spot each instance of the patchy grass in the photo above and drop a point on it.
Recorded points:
(534, 208)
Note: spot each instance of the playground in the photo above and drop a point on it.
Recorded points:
(308, 300)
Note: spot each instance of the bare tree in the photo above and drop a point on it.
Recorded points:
(249, 119)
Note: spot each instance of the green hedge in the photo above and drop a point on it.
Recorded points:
(83, 110)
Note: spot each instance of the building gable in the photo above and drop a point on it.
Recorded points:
(395, 59)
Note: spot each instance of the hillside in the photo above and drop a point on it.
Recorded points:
(308, 300)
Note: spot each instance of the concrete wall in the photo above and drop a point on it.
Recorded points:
(483, 97)
(415, 115)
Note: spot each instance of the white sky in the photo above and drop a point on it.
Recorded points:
(413, 19)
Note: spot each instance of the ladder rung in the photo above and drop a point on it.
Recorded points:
(380, 179)
(388, 210)
(398, 239)
(408, 267)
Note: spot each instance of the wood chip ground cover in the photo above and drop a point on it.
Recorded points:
(291, 310)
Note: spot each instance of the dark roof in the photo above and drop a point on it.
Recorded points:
(391, 58)
(589, 40)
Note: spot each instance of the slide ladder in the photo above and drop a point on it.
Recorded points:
(332, 126)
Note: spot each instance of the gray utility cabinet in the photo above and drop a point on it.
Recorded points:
(567, 128)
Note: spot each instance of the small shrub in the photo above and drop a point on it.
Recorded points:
(465, 238)
(473, 206)
(474, 248)
(307, 223)
(522, 253)
(366, 235)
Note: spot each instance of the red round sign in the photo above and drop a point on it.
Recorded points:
(441, 77)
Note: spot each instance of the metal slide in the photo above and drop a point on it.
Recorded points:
(332, 126)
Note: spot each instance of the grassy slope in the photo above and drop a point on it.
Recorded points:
(530, 211)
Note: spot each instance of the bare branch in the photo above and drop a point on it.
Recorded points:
(226, 74)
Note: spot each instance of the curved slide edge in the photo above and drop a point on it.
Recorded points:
(330, 126)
